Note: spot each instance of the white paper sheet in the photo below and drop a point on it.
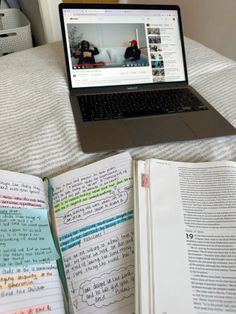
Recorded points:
(94, 215)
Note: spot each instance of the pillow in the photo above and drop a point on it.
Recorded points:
(117, 55)
(102, 56)
(74, 61)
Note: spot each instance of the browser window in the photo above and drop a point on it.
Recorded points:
(109, 47)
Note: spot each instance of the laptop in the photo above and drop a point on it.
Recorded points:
(128, 79)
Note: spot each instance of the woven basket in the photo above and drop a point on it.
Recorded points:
(15, 32)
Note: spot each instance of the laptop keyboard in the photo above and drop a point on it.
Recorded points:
(136, 104)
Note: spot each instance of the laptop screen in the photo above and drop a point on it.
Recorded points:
(110, 47)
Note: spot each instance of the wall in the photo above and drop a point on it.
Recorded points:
(3, 5)
(102, 36)
(44, 18)
(211, 22)
(50, 19)
(32, 11)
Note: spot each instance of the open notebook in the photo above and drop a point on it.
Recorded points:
(91, 216)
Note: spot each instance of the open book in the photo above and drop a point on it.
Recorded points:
(185, 243)
(91, 216)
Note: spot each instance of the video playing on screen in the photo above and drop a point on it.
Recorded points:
(107, 45)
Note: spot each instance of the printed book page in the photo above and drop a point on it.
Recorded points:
(94, 216)
(192, 218)
(25, 239)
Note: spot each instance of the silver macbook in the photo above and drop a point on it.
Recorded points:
(128, 78)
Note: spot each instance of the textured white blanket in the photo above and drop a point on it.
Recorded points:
(37, 130)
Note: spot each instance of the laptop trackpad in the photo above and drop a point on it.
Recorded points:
(152, 130)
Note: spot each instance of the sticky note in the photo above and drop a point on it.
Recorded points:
(25, 237)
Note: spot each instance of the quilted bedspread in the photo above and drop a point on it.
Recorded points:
(37, 130)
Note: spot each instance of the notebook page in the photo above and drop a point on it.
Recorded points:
(94, 215)
(31, 289)
(18, 190)
(35, 288)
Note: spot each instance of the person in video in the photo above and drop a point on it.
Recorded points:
(86, 53)
(132, 53)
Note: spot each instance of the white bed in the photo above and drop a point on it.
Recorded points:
(37, 129)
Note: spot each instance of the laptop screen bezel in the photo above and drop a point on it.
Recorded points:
(119, 88)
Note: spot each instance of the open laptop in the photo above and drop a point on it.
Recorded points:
(128, 77)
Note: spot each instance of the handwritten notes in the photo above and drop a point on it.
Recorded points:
(109, 287)
(21, 191)
(93, 208)
(45, 308)
(25, 237)
(30, 289)
(94, 215)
